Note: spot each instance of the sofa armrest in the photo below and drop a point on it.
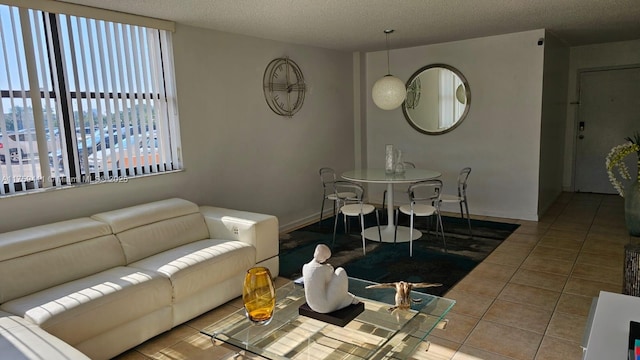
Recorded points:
(20, 339)
(258, 230)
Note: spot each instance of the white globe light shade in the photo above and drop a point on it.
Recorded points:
(388, 92)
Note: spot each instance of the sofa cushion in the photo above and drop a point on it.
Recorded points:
(20, 339)
(87, 307)
(201, 264)
(148, 229)
(134, 216)
(49, 255)
(44, 237)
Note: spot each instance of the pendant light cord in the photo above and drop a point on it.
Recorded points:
(387, 42)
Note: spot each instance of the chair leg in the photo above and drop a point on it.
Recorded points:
(466, 205)
(378, 223)
(411, 235)
(345, 223)
(335, 226)
(439, 222)
(321, 211)
(364, 245)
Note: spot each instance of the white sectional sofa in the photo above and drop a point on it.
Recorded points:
(103, 284)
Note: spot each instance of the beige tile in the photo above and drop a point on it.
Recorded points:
(608, 238)
(523, 239)
(609, 228)
(577, 218)
(504, 340)
(555, 253)
(539, 279)
(529, 295)
(467, 352)
(280, 281)
(515, 248)
(468, 303)
(505, 258)
(606, 242)
(567, 235)
(496, 272)
(481, 286)
(537, 262)
(572, 227)
(612, 261)
(567, 326)
(574, 304)
(603, 247)
(197, 347)
(598, 273)
(211, 317)
(589, 288)
(131, 355)
(561, 243)
(520, 316)
(539, 224)
(553, 348)
(166, 340)
(458, 328)
(435, 348)
(531, 230)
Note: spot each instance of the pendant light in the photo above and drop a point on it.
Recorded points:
(388, 92)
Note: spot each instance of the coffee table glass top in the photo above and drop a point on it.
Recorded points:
(376, 333)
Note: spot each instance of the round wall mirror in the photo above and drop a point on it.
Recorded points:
(438, 98)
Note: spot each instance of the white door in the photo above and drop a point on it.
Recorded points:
(609, 111)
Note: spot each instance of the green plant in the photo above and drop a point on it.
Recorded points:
(615, 162)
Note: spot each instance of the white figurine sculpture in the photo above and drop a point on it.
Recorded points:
(326, 290)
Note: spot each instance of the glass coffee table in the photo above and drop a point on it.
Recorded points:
(376, 333)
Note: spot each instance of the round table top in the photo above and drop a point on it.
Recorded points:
(380, 176)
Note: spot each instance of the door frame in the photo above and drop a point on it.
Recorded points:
(576, 117)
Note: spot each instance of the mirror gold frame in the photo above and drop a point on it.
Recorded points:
(438, 99)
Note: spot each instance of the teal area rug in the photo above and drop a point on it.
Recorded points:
(388, 262)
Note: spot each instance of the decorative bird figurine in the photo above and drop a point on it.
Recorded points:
(403, 292)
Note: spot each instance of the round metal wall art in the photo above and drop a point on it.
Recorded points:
(284, 86)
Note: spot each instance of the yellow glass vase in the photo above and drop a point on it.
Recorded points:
(259, 295)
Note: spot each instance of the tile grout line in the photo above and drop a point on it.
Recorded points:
(555, 308)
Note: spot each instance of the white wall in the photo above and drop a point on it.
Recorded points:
(237, 152)
(590, 57)
(500, 138)
(554, 108)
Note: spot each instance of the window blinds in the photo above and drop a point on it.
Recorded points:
(105, 108)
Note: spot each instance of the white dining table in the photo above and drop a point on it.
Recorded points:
(381, 177)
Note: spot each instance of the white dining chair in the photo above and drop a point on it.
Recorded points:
(424, 200)
(353, 206)
(328, 178)
(461, 197)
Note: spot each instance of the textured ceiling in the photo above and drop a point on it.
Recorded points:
(357, 25)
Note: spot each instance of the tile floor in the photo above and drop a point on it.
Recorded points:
(528, 300)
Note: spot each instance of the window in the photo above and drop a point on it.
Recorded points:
(105, 106)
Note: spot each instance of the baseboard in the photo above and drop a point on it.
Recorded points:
(307, 220)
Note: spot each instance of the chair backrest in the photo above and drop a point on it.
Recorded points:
(462, 181)
(327, 175)
(345, 191)
(427, 191)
